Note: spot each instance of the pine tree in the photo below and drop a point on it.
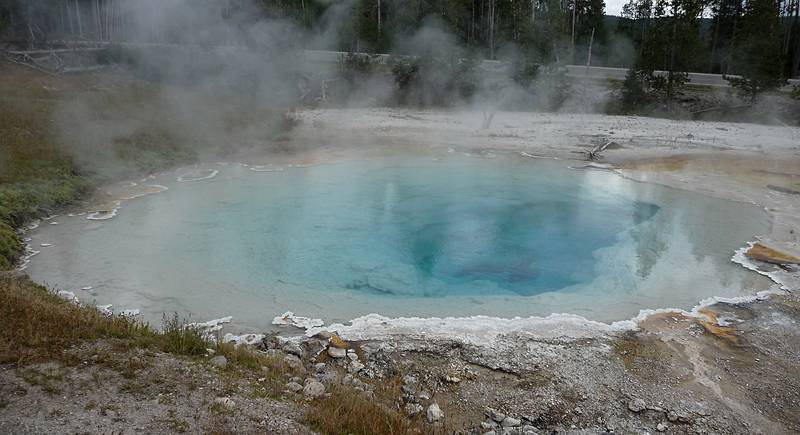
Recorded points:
(758, 58)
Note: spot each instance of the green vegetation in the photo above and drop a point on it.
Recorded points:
(35, 175)
(760, 57)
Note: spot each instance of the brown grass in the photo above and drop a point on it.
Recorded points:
(348, 411)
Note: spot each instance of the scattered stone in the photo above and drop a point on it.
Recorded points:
(451, 379)
(336, 352)
(494, 414)
(225, 402)
(637, 405)
(294, 349)
(424, 395)
(294, 387)
(355, 366)
(347, 380)
(297, 379)
(434, 413)
(313, 388)
(409, 380)
(319, 367)
(293, 362)
(661, 427)
(408, 389)
(511, 422)
(413, 408)
(219, 361)
(529, 430)
(488, 425)
(352, 355)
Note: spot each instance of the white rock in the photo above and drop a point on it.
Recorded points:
(313, 388)
(354, 366)
(413, 408)
(293, 362)
(661, 427)
(336, 352)
(434, 413)
(219, 361)
(294, 387)
(510, 422)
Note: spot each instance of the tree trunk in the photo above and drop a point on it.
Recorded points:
(78, 14)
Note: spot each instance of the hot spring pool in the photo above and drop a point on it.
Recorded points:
(454, 236)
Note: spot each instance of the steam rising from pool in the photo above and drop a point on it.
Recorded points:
(423, 237)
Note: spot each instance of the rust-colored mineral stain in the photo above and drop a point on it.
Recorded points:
(713, 327)
(770, 255)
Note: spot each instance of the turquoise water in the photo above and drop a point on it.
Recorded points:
(454, 236)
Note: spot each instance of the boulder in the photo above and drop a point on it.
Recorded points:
(219, 361)
(434, 413)
(294, 387)
(313, 388)
(337, 352)
(293, 362)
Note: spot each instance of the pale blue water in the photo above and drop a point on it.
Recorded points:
(406, 236)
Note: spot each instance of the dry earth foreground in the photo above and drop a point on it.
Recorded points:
(725, 368)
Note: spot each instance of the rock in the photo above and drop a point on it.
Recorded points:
(347, 379)
(494, 414)
(313, 388)
(424, 395)
(355, 366)
(510, 422)
(409, 380)
(434, 413)
(329, 377)
(314, 347)
(661, 427)
(337, 342)
(297, 379)
(337, 352)
(451, 379)
(293, 362)
(352, 355)
(323, 335)
(529, 430)
(413, 408)
(319, 367)
(760, 251)
(225, 402)
(294, 387)
(294, 349)
(408, 389)
(488, 425)
(637, 405)
(219, 361)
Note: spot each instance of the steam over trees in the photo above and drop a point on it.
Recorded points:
(759, 39)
